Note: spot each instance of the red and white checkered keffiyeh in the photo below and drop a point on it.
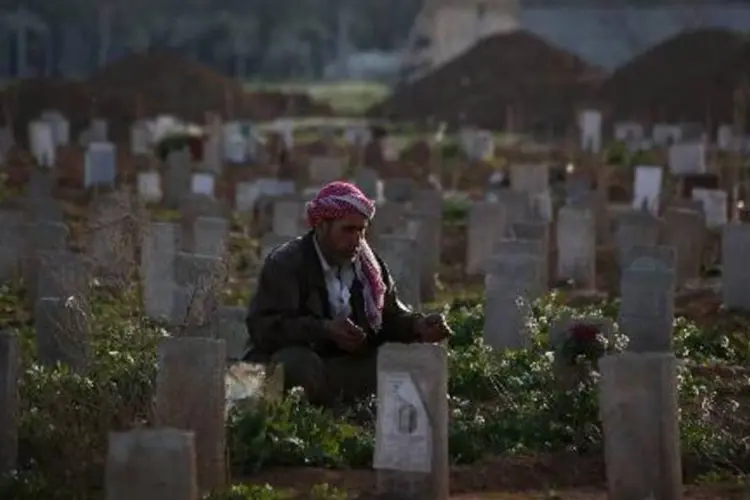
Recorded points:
(337, 200)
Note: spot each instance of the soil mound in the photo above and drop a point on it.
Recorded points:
(690, 77)
(168, 84)
(516, 76)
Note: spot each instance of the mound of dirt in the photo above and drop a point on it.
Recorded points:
(513, 75)
(690, 77)
(25, 100)
(171, 85)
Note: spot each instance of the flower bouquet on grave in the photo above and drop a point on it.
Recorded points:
(578, 344)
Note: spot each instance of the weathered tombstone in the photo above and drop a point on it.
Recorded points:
(203, 183)
(735, 274)
(687, 158)
(12, 242)
(636, 228)
(715, 206)
(427, 212)
(191, 207)
(647, 188)
(43, 237)
(399, 190)
(42, 142)
(151, 464)
(140, 138)
(158, 251)
(647, 309)
(113, 228)
(411, 437)
(211, 236)
(325, 169)
(576, 246)
(59, 125)
(402, 258)
(62, 274)
(665, 255)
(486, 228)
(533, 249)
(639, 413)
(190, 395)
(685, 232)
(590, 125)
(149, 187)
(535, 231)
(288, 218)
(10, 373)
(529, 178)
(510, 286)
(177, 179)
(233, 331)
(61, 332)
(100, 165)
(518, 207)
(199, 280)
(368, 181)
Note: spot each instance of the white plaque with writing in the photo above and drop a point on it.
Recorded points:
(404, 433)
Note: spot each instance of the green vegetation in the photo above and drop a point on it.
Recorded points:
(501, 404)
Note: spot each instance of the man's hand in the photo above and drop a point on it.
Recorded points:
(345, 334)
(432, 328)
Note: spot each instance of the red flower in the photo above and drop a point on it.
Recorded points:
(583, 332)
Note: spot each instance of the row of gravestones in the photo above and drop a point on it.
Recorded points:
(185, 453)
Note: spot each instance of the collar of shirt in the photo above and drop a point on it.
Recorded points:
(328, 269)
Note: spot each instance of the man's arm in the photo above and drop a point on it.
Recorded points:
(398, 320)
(273, 319)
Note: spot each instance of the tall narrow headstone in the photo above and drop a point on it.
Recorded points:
(190, 395)
(576, 246)
(639, 413)
(735, 275)
(211, 236)
(486, 228)
(411, 436)
(158, 252)
(10, 373)
(402, 258)
(61, 333)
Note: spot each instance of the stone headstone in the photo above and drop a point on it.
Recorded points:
(666, 134)
(288, 218)
(411, 435)
(190, 395)
(647, 309)
(199, 280)
(149, 187)
(529, 178)
(647, 188)
(211, 236)
(232, 329)
(368, 181)
(10, 374)
(518, 207)
(639, 410)
(685, 231)
(61, 332)
(42, 143)
(399, 190)
(59, 125)
(636, 228)
(590, 124)
(715, 206)
(140, 138)
(151, 464)
(62, 274)
(177, 179)
(486, 228)
(735, 273)
(100, 165)
(159, 248)
(402, 258)
(325, 169)
(687, 158)
(202, 183)
(576, 246)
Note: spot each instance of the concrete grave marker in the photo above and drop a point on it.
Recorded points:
(715, 206)
(647, 188)
(647, 309)
(10, 374)
(325, 169)
(638, 407)
(158, 251)
(665, 134)
(100, 167)
(191, 395)
(140, 138)
(151, 464)
(685, 232)
(735, 273)
(636, 228)
(288, 218)
(628, 132)
(590, 124)
(149, 187)
(60, 127)
(576, 246)
(687, 158)
(529, 178)
(402, 258)
(199, 280)
(61, 332)
(202, 183)
(486, 228)
(42, 143)
(411, 436)
(211, 236)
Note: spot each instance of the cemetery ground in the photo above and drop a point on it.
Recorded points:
(514, 431)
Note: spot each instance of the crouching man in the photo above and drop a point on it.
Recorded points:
(325, 302)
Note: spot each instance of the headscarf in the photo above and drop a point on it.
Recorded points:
(335, 201)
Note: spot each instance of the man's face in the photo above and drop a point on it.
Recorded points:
(341, 238)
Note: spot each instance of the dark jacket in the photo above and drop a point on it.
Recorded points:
(291, 304)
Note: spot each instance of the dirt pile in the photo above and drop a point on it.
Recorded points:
(146, 85)
(515, 74)
(690, 77)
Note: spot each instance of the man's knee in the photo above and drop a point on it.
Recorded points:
(302, 367)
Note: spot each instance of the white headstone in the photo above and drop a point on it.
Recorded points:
(715, 203)
(60, 127)
(149, 187)
(687, 158)
(664, 134)
(202, 183)
(590, 123)
(647, 187)
(42, 142)
(140, 138)
(628, 132)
